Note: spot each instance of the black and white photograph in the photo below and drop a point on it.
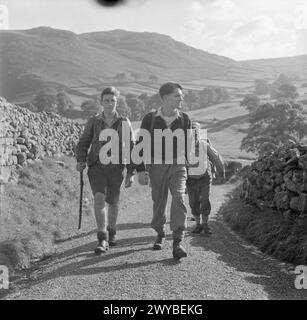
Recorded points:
(153, 152)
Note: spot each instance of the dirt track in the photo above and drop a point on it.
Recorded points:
(220, 267)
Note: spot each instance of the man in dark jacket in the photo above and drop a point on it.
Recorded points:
(170, 172)
(105, 179)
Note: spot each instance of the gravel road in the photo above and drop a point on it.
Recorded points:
(222, 266)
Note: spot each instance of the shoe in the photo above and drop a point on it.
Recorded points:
(198, 229)
(159, 242)
(178, 251)
(207, 230)
(102, 247)
(190, 218)
(112, 239)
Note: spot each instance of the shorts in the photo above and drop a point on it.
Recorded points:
(107, 180)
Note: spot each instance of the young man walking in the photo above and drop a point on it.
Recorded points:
(170, 173)
(199, 180)
(105, 179)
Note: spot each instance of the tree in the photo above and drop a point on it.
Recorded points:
(120, 76)
(219, 94)
(90, 107)
(261, 87)
(46, 100)
(65, 104)
(225, 94)
(282, 79)
(122, 107)
(204, 98)
(212, 96)
(192, 100)
(251, 101)
(287, 91)
(29, 105)
(136, 106)
(145, 98)
(135, 75)
(275, 123)
(153, 78)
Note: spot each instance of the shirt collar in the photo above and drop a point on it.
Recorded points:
(160, 114)
(114, 119)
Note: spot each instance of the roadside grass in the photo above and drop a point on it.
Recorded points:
(39, 210)
(285, 239)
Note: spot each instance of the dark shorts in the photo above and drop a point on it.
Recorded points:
(107, 180)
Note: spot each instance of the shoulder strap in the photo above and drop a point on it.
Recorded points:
(184, 120)
(118, 122)
(152, 120)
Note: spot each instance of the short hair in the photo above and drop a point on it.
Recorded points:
(168, 88)
(109, 90)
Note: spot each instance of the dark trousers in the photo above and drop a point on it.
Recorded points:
(199, 192)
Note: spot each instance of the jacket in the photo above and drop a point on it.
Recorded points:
(88, 147)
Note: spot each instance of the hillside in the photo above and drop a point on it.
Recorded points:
(32, 58)
(272, 67)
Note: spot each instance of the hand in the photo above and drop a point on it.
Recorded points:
(143, 178)
(81, 166)
(129, 180)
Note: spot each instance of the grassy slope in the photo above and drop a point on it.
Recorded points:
(40, 209)
(285, 239)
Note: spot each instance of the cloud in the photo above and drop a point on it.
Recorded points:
(242, 30)
(258, 26)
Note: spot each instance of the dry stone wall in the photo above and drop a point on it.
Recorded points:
(279, 180)
(26, 136)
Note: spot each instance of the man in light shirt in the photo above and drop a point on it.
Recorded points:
(170, 173)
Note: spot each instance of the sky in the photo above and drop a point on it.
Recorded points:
(237, 29)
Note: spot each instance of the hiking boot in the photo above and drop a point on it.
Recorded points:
(198, 229)
(159, 242)
(103, 245)
(178, 250)
(207, 230)
(112, 240)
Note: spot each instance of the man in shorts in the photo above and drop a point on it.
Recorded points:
(105, 179)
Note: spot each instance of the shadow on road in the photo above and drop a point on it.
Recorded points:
(87, 265)
(237, 253)
(121, 226)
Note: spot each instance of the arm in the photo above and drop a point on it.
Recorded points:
(216, 159)
(130, 166)
(85, 141)
(145, 124)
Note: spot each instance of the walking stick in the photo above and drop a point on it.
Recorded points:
(81, 196)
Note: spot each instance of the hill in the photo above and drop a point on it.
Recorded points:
(32, 59)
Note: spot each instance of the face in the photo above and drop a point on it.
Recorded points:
(174, 99)
(109, 102)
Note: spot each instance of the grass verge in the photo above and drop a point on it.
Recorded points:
(40, 209)
(283, 238)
